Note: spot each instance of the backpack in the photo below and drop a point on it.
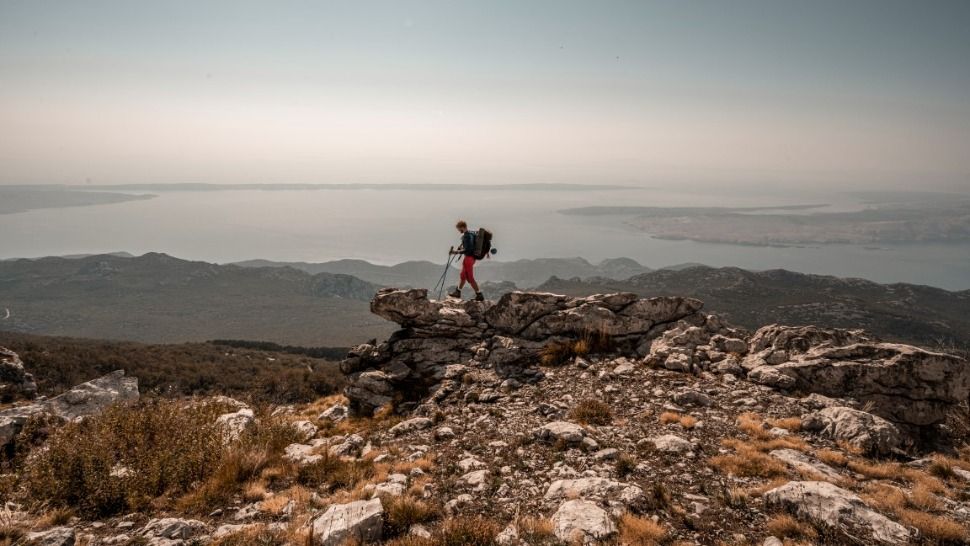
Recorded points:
(483, 243)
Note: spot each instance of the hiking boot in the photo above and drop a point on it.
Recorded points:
(455, 294)
(479, 296)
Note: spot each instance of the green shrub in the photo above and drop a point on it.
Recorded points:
(125, 457)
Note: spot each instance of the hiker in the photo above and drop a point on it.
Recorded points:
(468, 262)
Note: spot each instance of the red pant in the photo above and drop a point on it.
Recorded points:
(468, 269)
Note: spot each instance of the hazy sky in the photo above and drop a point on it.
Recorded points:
(308, 91)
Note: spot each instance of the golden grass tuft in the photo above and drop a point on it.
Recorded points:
(753, 425)
(876, 470)
(748, 461)
(668, 417)
(938, 528)
(785, 526)
(592, 412)
(831, 457)
(400, 513)
(688, 421)
(640, 531)
(792, 424)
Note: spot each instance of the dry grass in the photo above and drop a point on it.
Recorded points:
(876, 470)
(792, 424)
(924, 498)
(884, 497)
(535, 530)
(785, 526)
(54, 518)
(592, 412)
(688, 422)
(625, 465)
(254, 491)
(668, 417)
(400, 513)
(785, 442)
(253, 537)
(457, 531)
(753, 425)
(831, 457)
(638, 531)
(938, 528)
(850, 449)
(748, 461)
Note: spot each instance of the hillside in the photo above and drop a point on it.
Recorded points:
(184, 369)
(423, 274)
(905, 312)
(157, 298)
(537, 419)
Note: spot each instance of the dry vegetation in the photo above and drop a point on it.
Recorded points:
(592, 412)
(59, 363)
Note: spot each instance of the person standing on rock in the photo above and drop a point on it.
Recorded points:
(467, 248)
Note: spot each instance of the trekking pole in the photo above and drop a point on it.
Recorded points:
(440, 286)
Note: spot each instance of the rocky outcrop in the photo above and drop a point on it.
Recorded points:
(94, 396)
(438, 338)
(86, 399)
(341, 523)
(15, 382)
(902, 383)
(835, 507)
(58, 536)
(870, 433)
(440, 341)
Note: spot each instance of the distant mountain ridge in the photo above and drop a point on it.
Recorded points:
(424, 274)
(158, 298)
(906, 312)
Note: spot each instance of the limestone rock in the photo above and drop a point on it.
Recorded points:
(869, 432)
(836, 507)
(594, 489)
(173, 528)
(671, 443)
(803, 463)
(335, 413)
(15, 382)
(582, 521)
(903, 383)
(236, 423)
(58, 536)
(411, 425)
(94, 396)
(362, 520)
(564, 431)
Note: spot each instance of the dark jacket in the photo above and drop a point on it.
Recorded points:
(467, 243)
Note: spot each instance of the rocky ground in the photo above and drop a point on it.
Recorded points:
(542, 419)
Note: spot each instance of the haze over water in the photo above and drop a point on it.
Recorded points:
(391, 226)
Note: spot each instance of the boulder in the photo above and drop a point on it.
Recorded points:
(837, 508)
(582, 521)
(411, 425)
(902, 383)
(866, 431)
(173, 528)
(671, 443)
(335, 413)
(361, 520)
(236, 423)
(805, 464)
(58, 536)
(94, 396)
(15, 382)
(564, 431)
(304, 428)
(601, 489)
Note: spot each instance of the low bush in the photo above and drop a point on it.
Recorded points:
(592, 412)
(130, 456)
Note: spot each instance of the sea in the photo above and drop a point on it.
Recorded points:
(389, 226)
